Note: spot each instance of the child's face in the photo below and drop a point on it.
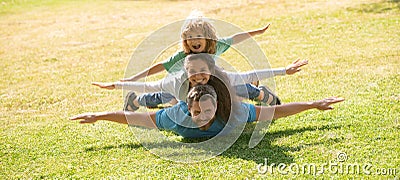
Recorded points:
(196, 41)
(203, 113)
(198, 72)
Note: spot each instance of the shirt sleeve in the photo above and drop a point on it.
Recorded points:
(175, 62)
(164, 116)
(173, 117)
(154, 86)
(223, 44)
(245, 113)
(256, 75)
(252, 113)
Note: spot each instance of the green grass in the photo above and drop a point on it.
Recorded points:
(50, 51)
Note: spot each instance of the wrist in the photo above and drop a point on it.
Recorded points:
(312, 104)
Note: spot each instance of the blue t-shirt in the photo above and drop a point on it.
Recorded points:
(175, 62)
(178, 119)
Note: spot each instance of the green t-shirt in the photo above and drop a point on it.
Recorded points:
(175, 62)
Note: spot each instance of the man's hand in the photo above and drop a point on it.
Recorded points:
(325, 103)
(86, 118)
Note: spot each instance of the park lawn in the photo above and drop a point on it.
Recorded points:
(51, 51)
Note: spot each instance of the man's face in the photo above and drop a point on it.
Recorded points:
(203, 113)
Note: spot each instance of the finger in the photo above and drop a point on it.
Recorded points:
(304, 62)
(266, 27)
(301, 65)
(96, 83)
(83, 122)
(76, 118)
(338, 100)
(297, 60)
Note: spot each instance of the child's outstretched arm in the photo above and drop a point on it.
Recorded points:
(239, 37)
(157, 68)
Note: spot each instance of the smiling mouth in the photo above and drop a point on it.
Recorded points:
(196, 46)
(199, 81)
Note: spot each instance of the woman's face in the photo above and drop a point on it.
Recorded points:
(196, 41)
(198, 72)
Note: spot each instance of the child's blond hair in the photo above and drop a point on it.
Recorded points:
(202, 24)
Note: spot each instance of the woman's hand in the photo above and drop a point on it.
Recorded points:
(109, 86)
(295, 66)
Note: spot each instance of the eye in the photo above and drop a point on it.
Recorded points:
(196, 113)
(192, 72)
(204, 71)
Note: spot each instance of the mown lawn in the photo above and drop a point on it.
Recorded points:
(51, 51)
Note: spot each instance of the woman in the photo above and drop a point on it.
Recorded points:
(172, 81)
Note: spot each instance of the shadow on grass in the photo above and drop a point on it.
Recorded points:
(240, 149)
(121, 146)
(265, 150)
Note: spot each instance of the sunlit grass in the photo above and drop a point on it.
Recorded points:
(51, 51)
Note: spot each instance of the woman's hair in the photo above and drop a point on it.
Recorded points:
(226, 96)
(202, 25)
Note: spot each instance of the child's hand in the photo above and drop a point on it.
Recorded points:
(109, 86)
(262, 30)
(295, 66)
(325, 103)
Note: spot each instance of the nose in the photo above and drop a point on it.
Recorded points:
(204, 116)
(198, 76)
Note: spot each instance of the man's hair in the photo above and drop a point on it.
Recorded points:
(201, 93)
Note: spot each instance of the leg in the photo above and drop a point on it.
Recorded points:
(261, 93)
(154, 99)
(131, 103)
(269, 97)
(248, 91)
